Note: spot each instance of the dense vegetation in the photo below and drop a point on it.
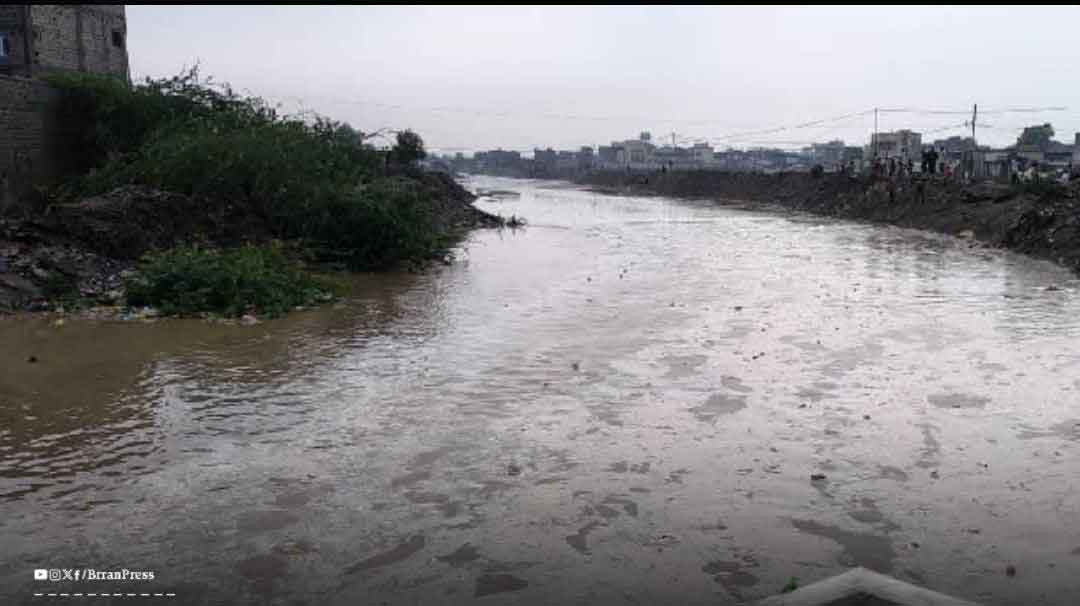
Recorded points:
(250, 279)
(315, 182)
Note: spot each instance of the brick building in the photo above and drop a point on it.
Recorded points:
(36, 40)
(39, 38)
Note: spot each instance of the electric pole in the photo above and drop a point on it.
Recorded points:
(974, 115)
(875, 133)
(974, 146)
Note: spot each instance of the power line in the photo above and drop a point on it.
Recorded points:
(519, 115)
(790, 127)
(966, 112)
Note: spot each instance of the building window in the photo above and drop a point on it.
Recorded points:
(5, 45)
(118, 38)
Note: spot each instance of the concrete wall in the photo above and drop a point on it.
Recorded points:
(31, 147)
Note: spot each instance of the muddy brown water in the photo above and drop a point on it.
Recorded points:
(622, 403)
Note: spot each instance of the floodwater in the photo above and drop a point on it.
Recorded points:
(622, 403)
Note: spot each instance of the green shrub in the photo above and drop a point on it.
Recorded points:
(106, 117)
(316, 181)
(189, 280)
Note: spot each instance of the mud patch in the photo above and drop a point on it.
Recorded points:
(931, 448)
(410, 478)
(870, 514)
(265, 521)
(683, 366)
(735, 384)
(402, 552)
(489, 584)
(294, 548)
(859, 549)
(430, 456)
(1066, 430)
(676, 477)
(606, 512)
(578, 540)
(426, 497)
(888, 472)
(491, 488)
(733, 574)
(461, 556)
(608, 416)
(262, 570)
(848, 360)
(619, 467)
(957, 400)
(814, 395)
(628, 506)
(718, 404)
(299, 498)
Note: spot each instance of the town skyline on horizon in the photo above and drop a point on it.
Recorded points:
(700, 72)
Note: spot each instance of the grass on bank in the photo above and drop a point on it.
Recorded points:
(189, 280)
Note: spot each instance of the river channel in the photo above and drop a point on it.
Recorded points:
(622, 403)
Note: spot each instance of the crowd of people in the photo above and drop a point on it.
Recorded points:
(935, 163)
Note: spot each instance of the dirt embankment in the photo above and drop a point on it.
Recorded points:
(1042, 221)
(82, 250)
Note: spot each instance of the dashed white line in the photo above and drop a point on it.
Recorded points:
(104, 595)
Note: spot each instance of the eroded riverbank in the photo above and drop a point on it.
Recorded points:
(1040, 221)
(622, 403)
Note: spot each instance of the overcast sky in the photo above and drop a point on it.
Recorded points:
(519, 77)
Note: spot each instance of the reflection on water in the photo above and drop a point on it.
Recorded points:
(623, 402)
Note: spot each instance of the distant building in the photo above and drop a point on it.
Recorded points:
(1030, 153)
(995, 164)
(636, 154)
(585, 159)
(853, 154)
(498, 161)
(673, 158)
(566, 162)
(1058, 155)
(607, 156)
(1076, 154)
(901, 144)
(702, 154)
(545, 162)
(829, 155)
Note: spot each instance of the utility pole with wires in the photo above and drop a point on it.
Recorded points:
(875, 134)
(974, 145)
